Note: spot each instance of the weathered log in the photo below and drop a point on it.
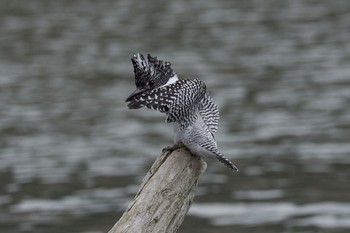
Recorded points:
(165, 195)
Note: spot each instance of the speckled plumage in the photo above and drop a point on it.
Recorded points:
(150, 70)
(171, 100)
(152, 73)
(187, 106)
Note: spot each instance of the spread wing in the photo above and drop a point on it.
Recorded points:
(178, 100)
(159, 99)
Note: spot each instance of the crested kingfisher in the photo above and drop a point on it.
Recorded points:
(184, 101)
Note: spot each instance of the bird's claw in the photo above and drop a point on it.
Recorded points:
(174, 147)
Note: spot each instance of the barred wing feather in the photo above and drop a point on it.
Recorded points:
(177, 100)
(210, 113)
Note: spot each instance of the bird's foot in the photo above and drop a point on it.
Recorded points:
(174, 147)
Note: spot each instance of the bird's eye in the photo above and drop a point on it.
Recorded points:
(151, 83)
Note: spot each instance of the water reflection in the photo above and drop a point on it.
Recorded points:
(72, 153)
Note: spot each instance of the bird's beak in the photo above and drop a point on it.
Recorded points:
(136, 92)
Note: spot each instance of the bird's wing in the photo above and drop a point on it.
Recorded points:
(176, 100)
(210, 113)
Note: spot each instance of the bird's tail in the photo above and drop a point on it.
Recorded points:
(225, 161)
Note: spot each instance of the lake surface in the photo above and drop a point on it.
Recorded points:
(72, 155)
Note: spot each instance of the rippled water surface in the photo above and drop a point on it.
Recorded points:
(72, 155)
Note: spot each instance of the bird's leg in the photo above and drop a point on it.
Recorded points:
(174, 147)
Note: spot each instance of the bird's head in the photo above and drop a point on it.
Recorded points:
(150, 73)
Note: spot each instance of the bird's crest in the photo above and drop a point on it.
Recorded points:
(150, 72)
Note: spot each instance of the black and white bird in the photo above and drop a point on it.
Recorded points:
(185, 102)
(152, 73)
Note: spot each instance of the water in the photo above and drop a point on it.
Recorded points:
(72, 155)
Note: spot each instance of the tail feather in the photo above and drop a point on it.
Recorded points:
(209, 148)
(225, 161)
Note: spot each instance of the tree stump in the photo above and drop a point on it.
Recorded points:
(165, 195)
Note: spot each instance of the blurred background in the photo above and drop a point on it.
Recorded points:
(72, 155)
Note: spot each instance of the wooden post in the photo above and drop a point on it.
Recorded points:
(165, 195)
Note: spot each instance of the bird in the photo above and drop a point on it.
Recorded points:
(179, 101)
(151, 73)
(185, 103)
